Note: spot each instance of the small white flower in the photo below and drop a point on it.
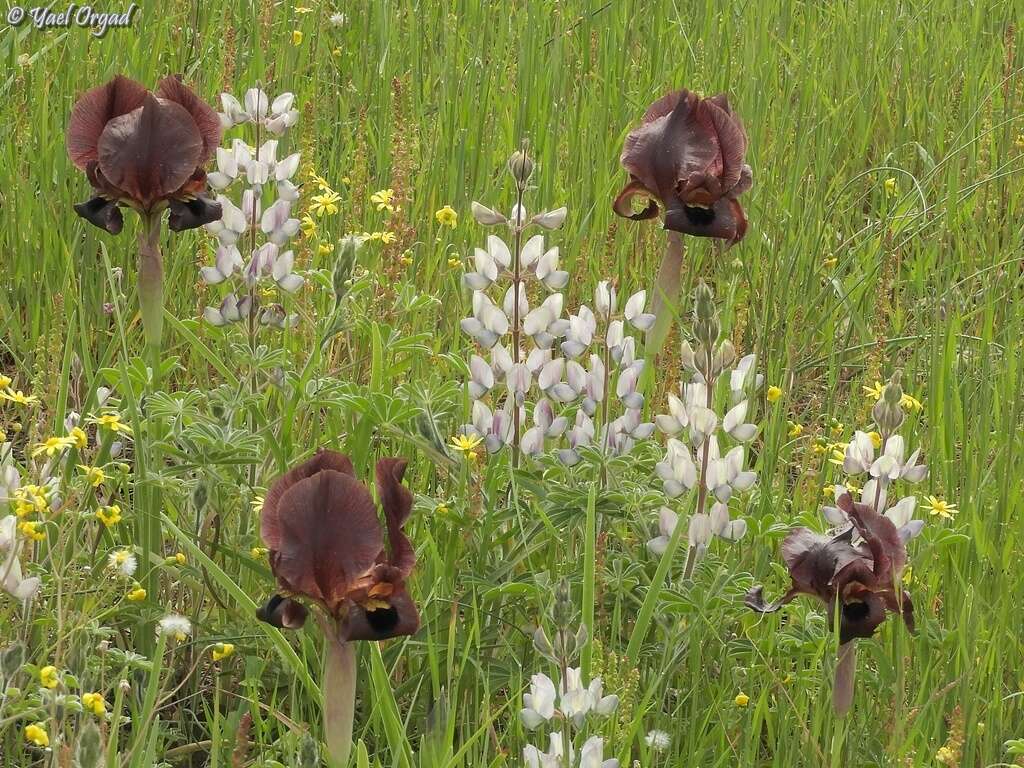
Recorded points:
(604, 299)
(485, 215)
(124, 562)
(890, 465)
(548, 273)
(725, 528)
(231, 224)
(657, 740)
(539, 703)
(227, 260)
(337, 19)
(277, 224)
(859, 455)
(699, 533)
(10, 566)
(551, 219)
(174, 625)
(667, 521)
(743, 376)
(635, 314)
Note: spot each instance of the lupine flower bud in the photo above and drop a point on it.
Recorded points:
(562, 609)
(521, 167)
(887, 413)
(344, 264)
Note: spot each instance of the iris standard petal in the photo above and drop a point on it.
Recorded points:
(151, 151)
(93, 110)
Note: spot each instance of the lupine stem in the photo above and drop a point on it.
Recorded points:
(516, 279)
(702, 487)
(339, 692)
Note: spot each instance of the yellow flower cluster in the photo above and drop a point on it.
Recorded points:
(31, 498)
(48, 677)
(109, 515)
(447, 217)
(384, 237)
(36, 734)
(222, 651)
(94, 702)
(31, 530)
(94, 476)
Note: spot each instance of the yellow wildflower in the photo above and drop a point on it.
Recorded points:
(93, 475)
(891, 187)
(78, 435)
(454, 262)
(307, 225)
(137, 595)
(325, 204)
(109, 515)
(829, 262)
(48, 677)
(222, 651)
(467, 445)
(112, 421)
(18, 397)
(5, 381)
(93, 702)
(325, 248)
(258, 553)
(773, 394)
(297, 37)
(384, 200)
(447, 217)
(52, 446)
(940, 508)
(36, 734)
(946, 756)
(303, 9)
(388, 237)
(874, 392)
(795, 429)
(31, 529)
(911, 403)
(741, 699)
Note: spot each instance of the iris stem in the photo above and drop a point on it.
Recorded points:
(339, 692)
(151, 290)
(151, 309)
(666, 293)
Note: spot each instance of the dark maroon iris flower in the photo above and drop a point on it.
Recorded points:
(688, 155)
(144, 150)
(857, 579)
(327, 546)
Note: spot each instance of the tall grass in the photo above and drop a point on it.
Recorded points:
(837, 284)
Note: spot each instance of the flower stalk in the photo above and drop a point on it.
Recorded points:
(339, 692)
(151, 289)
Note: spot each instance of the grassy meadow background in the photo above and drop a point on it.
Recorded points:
(836, 284)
